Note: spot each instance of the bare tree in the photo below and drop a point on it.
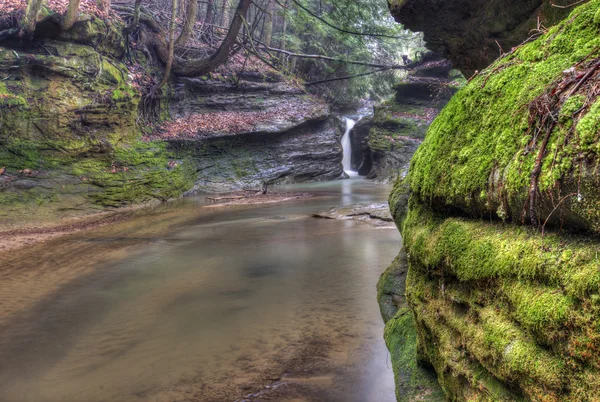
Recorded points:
(188, 26)
(71, 15)
(30, 18)
(268, 32)
(136, 13)
(226, 17)
(199, 67)
(171, 50)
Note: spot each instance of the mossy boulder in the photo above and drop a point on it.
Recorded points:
(505, 310)
(531, 109)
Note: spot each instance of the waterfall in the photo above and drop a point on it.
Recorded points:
(347, 148)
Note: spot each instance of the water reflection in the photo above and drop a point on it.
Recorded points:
(223, 305)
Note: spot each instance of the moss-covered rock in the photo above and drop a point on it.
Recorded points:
(400, 123)
(69, 136)
(512, 312)
(505, 311)
(480, 153)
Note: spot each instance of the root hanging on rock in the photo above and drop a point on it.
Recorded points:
(544, 114)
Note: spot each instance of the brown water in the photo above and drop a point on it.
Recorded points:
(189, 303)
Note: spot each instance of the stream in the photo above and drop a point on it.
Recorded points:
(190, 302)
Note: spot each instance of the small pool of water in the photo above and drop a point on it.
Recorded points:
(190, 303)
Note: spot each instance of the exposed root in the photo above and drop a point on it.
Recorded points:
(544, 113)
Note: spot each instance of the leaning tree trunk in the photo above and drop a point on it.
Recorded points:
(171, 45)
(190, 21)
(71, 16)
(199, 67)
(30, 18)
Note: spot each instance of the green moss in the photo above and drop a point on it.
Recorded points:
(9, 100)
(588, 129)
(519, 304)
(477, 143)
(413, 382)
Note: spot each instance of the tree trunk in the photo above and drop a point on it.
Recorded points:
(198, 67)
(282, 40)
(171, 45)
(268, 35)
(71, 16)
(30, 18)
(210, 12)
(136, 13)
(190, 20)
(226, 17)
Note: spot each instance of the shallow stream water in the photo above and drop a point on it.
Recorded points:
(187, 302)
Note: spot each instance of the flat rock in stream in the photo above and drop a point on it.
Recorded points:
(374, 214)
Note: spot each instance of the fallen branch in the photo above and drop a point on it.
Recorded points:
(585, 78)
(335, 59)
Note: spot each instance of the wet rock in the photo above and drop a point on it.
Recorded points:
(374, 214)
(399, 124)
(359, 139)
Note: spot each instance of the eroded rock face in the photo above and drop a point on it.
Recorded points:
(399, 124)
(310, 152)
(72, 141)
(505, 310)
(359, 140)
(473, 33)
(298, 142)
(69, 137)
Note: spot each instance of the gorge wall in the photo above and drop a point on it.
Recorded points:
(73, 138)
(499, 218)
(473, 33)
(399, 124)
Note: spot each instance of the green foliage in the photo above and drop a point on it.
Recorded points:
(308, 35)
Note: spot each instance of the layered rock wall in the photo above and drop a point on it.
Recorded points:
(399, 124)
(473, 33)
(73, 139)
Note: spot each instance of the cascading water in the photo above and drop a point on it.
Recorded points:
(347, 148)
